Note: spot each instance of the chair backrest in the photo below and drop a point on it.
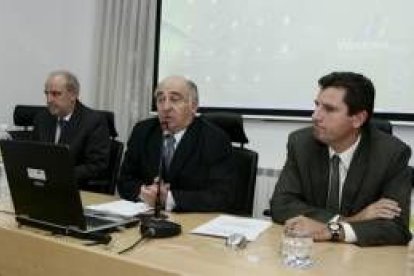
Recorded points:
(110, 120)
(107, 183)
(231, 123)
(382, 124)
(245, 160)
(23, 115)
(246, 164)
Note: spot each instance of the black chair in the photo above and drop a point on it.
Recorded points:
(245, 160)
(382, 124)
(107, 182)
(23, 116)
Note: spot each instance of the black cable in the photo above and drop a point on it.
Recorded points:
(144, 236)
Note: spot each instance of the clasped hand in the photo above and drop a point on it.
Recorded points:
(148, 193)
(383, 208)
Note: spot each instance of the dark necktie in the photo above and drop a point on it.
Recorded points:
(63, 125)
(332, 202)
(169, 147)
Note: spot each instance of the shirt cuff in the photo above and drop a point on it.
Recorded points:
(349, 233)
(350, 236)
(170, 202)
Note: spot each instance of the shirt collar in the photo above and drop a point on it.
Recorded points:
(179, 135)
(346, 156)
(66, 118)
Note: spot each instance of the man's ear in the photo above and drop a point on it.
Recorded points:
(359, 118)
(194, 107)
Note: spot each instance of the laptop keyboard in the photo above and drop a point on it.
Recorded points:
(94, 222)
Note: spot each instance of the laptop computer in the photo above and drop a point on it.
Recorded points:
(44, 192)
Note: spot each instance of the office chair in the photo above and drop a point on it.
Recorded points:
(245, 160)
(23, 116)
(107, 182)
(381, 124)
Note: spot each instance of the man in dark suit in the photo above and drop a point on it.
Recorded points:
(344, 180)
(199, 177)
(68, 121)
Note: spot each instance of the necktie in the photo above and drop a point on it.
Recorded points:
(169, 147)
(332, 202)
(63, 125)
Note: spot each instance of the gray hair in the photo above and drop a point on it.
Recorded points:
(72, 83)
(192, 87)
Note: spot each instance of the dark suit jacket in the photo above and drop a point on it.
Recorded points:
(378, 169)
(201, 171)
(88, 140)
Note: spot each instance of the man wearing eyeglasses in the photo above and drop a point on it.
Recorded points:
(195, 156)
(68, 121)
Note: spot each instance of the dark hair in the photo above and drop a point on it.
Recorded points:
(359, 91)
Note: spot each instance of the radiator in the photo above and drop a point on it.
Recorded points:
(265, 183)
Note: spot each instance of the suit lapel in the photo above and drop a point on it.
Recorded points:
(356, 172)
(153, 151)
(73, 124)
(319, 172)
(184, 149)
(49, 131)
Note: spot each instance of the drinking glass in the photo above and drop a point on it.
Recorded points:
(296, 248)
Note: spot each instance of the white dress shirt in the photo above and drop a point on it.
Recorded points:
(170, 202)
(345, 159)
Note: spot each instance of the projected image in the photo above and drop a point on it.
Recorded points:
(262, 54)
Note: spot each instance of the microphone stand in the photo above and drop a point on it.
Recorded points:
(156, 226)
(158, 206)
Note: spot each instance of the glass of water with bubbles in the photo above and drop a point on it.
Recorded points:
(296, 248)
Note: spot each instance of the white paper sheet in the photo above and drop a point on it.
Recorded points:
(225, 225)
(121, 207)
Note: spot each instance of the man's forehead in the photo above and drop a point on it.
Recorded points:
(332, 94)
(56, 80)
(172, 87)
(169, 92)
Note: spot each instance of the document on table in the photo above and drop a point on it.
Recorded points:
(123, 208)
(225, 225)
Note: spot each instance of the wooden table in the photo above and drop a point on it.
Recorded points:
(27, 251)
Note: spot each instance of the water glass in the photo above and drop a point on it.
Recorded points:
(296, 248)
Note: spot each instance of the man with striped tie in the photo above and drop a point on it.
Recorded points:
(191, 156)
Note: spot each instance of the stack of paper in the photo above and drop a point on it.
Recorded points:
(123, 208)
(225, 225)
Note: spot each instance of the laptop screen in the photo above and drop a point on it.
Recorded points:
(42, 184)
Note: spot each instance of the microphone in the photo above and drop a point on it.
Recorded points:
(157, 226)
(161, 176)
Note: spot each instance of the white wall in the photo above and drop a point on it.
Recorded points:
(38, 37)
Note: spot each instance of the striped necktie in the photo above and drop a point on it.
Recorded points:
(63, 125)
(169, 148)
